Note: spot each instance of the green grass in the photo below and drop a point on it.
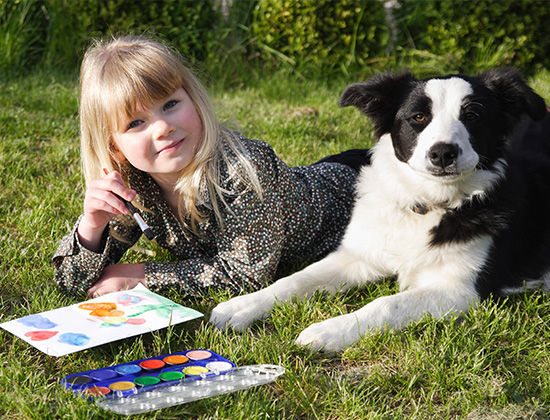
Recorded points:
(493, 363)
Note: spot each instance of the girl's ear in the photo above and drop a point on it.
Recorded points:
(116, 153)
(119, 156)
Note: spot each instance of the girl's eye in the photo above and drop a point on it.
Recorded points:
(134, 124)
(169, 104)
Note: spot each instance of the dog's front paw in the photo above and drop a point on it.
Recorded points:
(238, 313)
(334, 334)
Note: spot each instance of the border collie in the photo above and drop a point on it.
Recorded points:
(444, 206)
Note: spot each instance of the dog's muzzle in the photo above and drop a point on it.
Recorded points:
(443, 157)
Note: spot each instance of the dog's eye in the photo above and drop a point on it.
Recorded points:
(470, 115)
(419, 118)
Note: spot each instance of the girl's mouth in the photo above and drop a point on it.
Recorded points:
(171, 147)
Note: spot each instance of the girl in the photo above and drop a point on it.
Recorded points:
(226, 207)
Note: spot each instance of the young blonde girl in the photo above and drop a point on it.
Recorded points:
(226, 207)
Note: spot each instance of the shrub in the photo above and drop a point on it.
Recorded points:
(239, 39)
(473, 35)
(54, 32)
(20, 45)
(321, 34)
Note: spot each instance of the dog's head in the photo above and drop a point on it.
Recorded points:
(446, 126)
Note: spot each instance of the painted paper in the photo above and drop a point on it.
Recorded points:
(98, 321)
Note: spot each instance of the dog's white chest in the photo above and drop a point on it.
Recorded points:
(397, 241)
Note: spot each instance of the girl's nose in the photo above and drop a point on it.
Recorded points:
(162, 128)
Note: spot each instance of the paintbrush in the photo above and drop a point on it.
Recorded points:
(141, 223)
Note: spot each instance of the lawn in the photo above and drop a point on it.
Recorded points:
(493, 363)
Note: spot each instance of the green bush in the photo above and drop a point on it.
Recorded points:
(473, 35)
(55, 32)
(239, 40)
(321, 34)
(187, 24)
(20, 38)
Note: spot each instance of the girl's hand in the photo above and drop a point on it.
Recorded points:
(118, 277)
(101, 203)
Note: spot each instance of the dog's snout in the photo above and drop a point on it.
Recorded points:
(443, 155)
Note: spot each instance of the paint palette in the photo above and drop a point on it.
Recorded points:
(147, 375)
(165, 381)
(240, 378)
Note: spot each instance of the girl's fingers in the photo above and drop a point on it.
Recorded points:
(104, 199)
(99, 200)
(113, 182)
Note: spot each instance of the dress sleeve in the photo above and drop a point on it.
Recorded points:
(249, 247)
(77, 268)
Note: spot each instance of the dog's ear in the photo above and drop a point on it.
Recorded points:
(379, 98)
(517, 97)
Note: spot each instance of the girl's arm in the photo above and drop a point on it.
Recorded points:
(101, 203)
(77, 268)
(82, 255)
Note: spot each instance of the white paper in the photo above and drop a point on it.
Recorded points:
(98, 321)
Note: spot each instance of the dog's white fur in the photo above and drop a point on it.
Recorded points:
(386, 238)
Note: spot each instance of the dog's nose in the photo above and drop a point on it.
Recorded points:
(443, 154)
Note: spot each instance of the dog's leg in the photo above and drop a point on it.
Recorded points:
(395, 311)
(338, 271)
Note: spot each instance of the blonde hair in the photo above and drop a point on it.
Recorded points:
(122, 73)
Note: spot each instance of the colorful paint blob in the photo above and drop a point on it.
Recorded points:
(79, 380)
(74, 339)
(127, 369)
(171, 376)
(115, 320)
(103, 374)
(195, 370)
(93, 306)
(177, 359)
(37, 321)
(96, 391)
(219, 366)
(136, 321)
(152, 364)
(40, 335)
(122, 386)
(146, 380)
(199, 354)
(128, 300)
(113, 317)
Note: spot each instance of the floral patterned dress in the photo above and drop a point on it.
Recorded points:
(302, 217)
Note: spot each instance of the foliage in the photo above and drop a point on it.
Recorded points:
(188, 24)
(58, 30)
(19, 39)
(474, 35)
(240, 40)
(321, 33)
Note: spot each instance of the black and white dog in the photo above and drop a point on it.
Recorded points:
(444, 205)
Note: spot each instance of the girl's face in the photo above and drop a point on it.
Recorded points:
(161, 139)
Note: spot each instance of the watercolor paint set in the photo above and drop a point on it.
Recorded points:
(165, 381)
(148, 374)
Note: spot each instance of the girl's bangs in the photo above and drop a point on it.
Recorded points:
(140, 87)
